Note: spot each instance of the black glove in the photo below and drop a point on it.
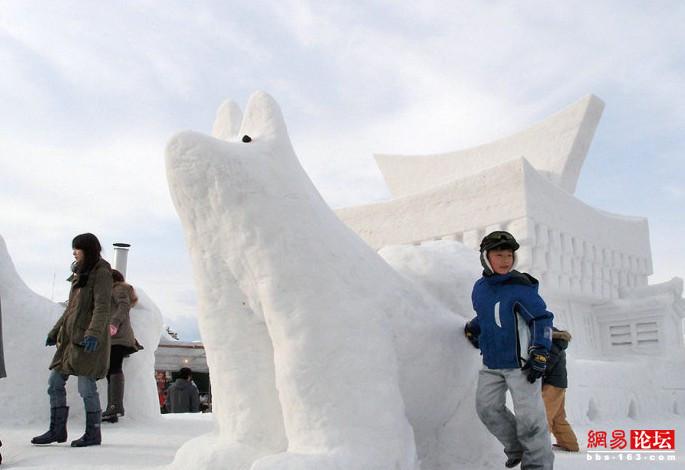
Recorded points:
(471, 335)
(537, 363)
(89, 343)
(50, 341)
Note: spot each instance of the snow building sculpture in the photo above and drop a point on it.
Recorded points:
(321, 355)
(27, 319)
(593, 265)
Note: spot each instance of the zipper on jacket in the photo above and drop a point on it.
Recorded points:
(521, 353)
(518, 338)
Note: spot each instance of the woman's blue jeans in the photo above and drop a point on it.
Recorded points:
(87, 388)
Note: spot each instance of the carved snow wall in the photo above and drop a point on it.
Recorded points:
(591, 263)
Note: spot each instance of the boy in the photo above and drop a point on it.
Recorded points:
(554, 385)
(513, 329)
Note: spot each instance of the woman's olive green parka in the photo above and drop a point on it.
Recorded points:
(87, 314)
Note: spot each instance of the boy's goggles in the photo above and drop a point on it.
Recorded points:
(499, 239)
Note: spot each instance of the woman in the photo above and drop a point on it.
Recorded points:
(82, 339)
(123, 344)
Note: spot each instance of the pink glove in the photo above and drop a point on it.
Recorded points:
(113, 330)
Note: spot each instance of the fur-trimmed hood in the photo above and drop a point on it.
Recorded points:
(129, 289)
(562, 335)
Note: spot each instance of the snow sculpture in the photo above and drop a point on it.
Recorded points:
(27, 318)
(445, 269)
(588, 260)
(321, 356)
(140, 394)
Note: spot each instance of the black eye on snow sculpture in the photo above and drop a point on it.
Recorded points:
(247, 138)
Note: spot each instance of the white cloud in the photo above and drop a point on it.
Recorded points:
(675, 192)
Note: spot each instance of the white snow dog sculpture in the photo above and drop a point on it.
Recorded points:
(321, 356)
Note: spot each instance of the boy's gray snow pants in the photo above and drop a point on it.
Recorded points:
(523, 433)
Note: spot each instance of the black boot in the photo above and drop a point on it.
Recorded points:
(512, 462)
(115, 394)
(110, 415)
(58, 427)
(92, 436)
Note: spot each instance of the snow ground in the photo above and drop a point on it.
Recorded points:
(132, 445)
(127, 444)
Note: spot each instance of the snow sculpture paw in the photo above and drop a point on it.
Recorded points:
(312, 340)
(210, 451)
(288, 461)
(333, 461)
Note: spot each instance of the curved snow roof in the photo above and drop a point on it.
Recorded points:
(556, 147)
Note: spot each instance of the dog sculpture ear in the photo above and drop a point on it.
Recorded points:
(228, 121)
(263, 119)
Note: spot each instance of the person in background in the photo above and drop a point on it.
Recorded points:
(82, 339)
(160, 378)
(205, 406)
(183, 396)
(513, 330)
(123, 344)
(554, 384)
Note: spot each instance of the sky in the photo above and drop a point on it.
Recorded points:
(91, 92)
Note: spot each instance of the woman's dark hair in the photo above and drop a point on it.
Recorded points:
(90, 245)
(117, 276)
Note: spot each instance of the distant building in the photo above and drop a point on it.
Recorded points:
(171, 356)
(593, 265)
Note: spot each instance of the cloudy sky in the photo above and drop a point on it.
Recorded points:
(90, 92)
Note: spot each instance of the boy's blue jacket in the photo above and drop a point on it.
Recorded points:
(510, 317)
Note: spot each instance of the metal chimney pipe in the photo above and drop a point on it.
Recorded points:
(121, 257)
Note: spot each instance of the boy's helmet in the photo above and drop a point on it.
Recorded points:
(499, 239)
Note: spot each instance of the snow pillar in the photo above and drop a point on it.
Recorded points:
(121, 257)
